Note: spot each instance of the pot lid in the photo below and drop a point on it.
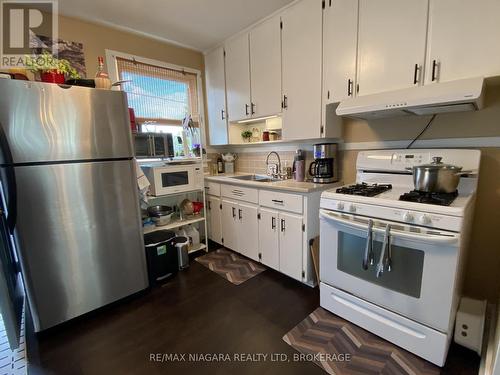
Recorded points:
(438, 164)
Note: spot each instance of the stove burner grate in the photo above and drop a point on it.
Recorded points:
(364, 189)
(440, 199)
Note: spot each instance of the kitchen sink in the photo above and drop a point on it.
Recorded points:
(255, 177)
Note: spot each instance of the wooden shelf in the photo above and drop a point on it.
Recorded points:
(174, 224)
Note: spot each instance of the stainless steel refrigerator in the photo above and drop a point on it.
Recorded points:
(70, 212)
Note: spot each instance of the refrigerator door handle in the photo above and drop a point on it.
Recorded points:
(11, 181)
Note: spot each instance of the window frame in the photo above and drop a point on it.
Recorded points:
(112, 66)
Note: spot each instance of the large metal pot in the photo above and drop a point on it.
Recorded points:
(437, 177)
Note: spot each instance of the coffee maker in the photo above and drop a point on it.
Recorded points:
(324, 168)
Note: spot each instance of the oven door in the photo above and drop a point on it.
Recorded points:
(173, 179)
(421, 282)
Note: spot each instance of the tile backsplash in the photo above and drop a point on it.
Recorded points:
(255, 162)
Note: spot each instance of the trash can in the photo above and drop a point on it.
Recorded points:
(161, 256)
(182, 246)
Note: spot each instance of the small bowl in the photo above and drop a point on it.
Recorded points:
(159, 210)
(162, 220)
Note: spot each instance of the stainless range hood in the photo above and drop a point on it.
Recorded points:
(453, 96)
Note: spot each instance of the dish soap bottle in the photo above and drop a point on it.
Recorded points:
(101, 80)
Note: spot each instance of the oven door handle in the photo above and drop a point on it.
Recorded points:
(441, 239)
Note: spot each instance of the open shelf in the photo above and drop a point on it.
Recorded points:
(201, 246)
(174, 224)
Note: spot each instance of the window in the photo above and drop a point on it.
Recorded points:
(161, 98)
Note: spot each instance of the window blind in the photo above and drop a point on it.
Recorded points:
(159, 94)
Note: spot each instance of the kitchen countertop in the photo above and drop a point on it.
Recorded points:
(285, 185)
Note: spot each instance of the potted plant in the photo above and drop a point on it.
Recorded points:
(246, 135)
(51, 69)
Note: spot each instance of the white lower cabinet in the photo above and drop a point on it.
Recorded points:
(269, 238)
(229, 220)
(214, 219)
(248, 230)
(240, 228)
(269, 226)
(280, 242)
(290, 238)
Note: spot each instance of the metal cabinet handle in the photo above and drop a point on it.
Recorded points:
(240, 214)
(234, 212)
(434, 68)
(277, 201)
(252, 108)
(415, 74)
(285, 102)
(273, 223)
(386, 253)
(349, 87)
(222, 114)
(368, 255)
(246, 109)
(209, 205)
(282, 225)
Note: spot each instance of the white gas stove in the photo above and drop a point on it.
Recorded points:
(392, 258)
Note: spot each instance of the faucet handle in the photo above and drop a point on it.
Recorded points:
(272, 169)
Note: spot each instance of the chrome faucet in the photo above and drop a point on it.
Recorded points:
(276, 168)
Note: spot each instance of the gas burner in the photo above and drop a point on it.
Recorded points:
(440, 199)
(364, 189)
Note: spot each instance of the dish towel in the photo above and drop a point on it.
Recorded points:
(142, 184)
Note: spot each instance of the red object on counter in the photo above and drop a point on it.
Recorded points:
(265, 135)
(133, 124)
(52, 76)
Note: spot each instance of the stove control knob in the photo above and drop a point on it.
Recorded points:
(340, 206)
(424, 219)
(352, 208)
(408, 216)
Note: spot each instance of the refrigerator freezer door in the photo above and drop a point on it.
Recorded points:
(47, 122)
(79, 236)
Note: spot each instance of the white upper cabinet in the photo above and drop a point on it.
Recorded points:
(216, 97)
(265, 68)
(302, 75)
(463, 39)
(238, 78)
(392, 41)
(340, 41)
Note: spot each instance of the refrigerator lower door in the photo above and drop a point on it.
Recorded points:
(79, 237)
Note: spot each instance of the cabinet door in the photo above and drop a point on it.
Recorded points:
(301, 49)
(340, 39)
(265, 68)
(238, 78)
(248, 231)
(216, 97)
(463, 39)
(290, 238)
(392, 37)
(230, 224)
(214, 219)
(269, 238)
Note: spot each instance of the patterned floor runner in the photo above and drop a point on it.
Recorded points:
(342, 348)
(231, 266)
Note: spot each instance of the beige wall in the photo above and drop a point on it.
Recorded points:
(96, 39)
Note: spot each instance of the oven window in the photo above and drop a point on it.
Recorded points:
(407, 264)
(174, 179)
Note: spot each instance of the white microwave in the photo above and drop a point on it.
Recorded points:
(173, 178)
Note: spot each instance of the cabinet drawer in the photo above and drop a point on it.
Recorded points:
(281, 201)
(212, 188)
(239, 192)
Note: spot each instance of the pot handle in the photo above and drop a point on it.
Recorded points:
(464, 173)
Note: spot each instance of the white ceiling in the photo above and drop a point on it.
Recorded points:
(197, 24)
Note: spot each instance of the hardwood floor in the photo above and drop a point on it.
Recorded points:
(197, 312)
